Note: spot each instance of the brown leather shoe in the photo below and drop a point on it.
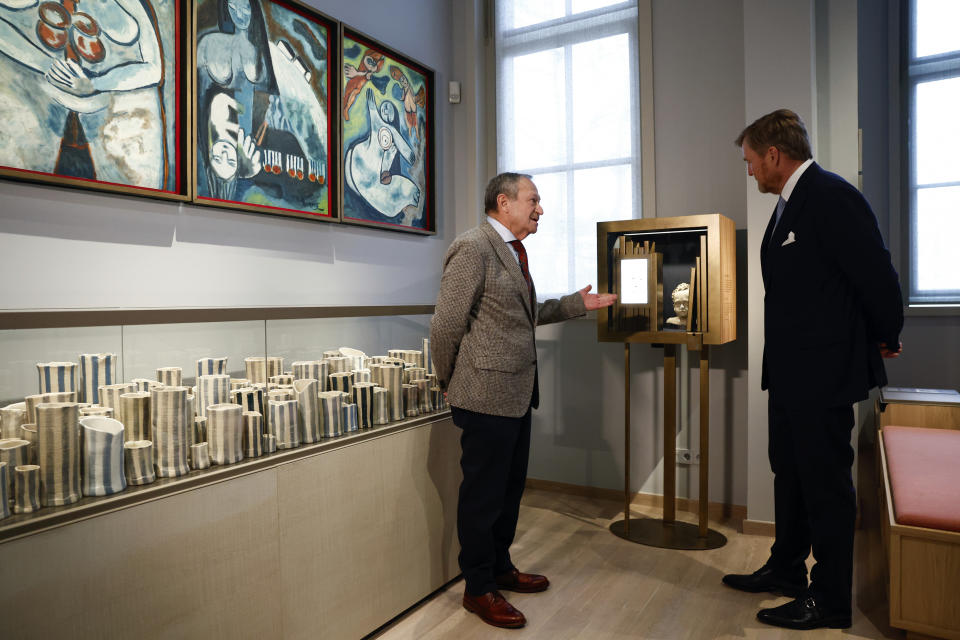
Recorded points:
(522, 582)
(494, 609)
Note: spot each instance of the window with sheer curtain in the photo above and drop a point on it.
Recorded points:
(933, 71)
(567, 114)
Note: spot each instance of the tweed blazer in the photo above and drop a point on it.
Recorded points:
(482, 331)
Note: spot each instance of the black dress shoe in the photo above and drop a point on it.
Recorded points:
(804, 613)
(766, 579)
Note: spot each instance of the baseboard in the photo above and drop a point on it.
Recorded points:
(758, 528)
(718, 511)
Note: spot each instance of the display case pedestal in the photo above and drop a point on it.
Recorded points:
(667, 532)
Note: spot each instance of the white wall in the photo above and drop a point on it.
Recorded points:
(70, 249)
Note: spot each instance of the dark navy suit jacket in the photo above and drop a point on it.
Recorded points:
(831, 296)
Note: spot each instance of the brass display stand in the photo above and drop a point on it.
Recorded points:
(667, 533)
(704, 248)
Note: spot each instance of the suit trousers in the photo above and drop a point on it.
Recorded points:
(814, 498)
(494, 456)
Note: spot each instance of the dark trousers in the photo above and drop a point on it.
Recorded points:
(495, 450)
(814, 497)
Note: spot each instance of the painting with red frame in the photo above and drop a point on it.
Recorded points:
(92, 94)
(264, 137)
(386, 123)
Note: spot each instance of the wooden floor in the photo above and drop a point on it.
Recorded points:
(605, 587)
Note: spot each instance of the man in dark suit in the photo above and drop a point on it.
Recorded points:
(485, 355)
(832, 311)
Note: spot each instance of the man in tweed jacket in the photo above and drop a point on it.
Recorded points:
(484, 352)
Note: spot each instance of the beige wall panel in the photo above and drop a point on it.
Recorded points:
(203, 563)
(368, 530)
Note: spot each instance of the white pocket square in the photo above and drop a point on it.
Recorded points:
(790, 239)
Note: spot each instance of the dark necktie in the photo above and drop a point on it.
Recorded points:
(524, 269)
(781, 205)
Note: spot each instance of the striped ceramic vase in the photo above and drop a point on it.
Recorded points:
(269, 443)
(341, 381)
(414, 373)
(411, 404)
(238, 383)
(138, 462)
(375, 376)
(332, 353)
(423, 395)
(58, 377)
(381, 406)
(109, 394)
(171, 432)
(212, 389)
(323, 376)
(283, 379)
(211, 367)
(102, 456)
(200, 456)
(308, 410)
(26, 488)
(136, 416)
(146, 385)
(256, 369)
(331, 419)
(96, 370)
(252, 434)
(306, 369)
(5, 475)
(349, 417)
(199, 430)
(170, 376)
(97, 410)
(361, 375)
(283, 422)
(362, 396)
(337, 364)
(392, 378)
(225, 433)
(11, 417)
(15, 452)
(274, 366)
(436, 398)
(58, 452)
(28, 432)
(31, 402)
(427, 359)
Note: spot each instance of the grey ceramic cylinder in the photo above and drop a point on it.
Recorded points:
(26, 488)
(332, 353)
(238, 383)
(211, 367)
(337, 364)
(171, 431)
(200, 456)
(5, 476)
(306, 369)
(283, 379)
(361, 375)
(58, 452)
(308, 410)
(349, 417)
(136, 415)
(414, 373)
(170, 376)
(381, 406)
(28, 432)
(199, 430)
(96, 370)
(146, 385)
(331, 418)
(102, 456)
(341, 381)
(138, 462)
(437, 399)
(392, 379)
(211, 389)
(58, 377)
(252, 434)
(11, 417)
(283, 423)
(375, 376)
(279, 395)
(427, 360)
(362, 396)
(15, 452)
(225, 433)
(109, 394)
(256, 369)
(31, 402)
(411, 403)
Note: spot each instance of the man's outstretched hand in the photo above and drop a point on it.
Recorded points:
(596, 300)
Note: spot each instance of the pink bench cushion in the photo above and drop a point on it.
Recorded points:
(924, 470)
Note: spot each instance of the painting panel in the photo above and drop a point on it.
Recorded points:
(264, 139)
(386, 122)
(92, 94)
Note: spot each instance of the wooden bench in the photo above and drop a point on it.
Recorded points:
(921, 528)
